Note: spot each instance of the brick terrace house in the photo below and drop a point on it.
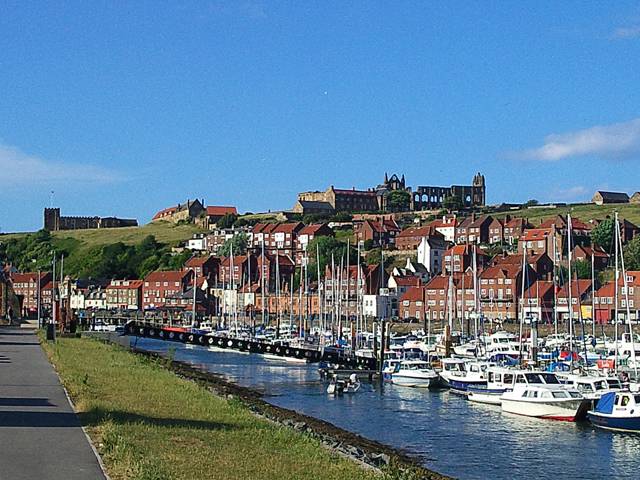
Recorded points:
(158, 286)
(584, 254)
(446, 226)
(514, 229)
(604, 300)
(215, 213)
(400, 283)
(496, 231)
(309, 232)
(538, 301)
(235, 270)
(500, 290)
(462, 230)
(580, 294)
(410, 238)
(205, 266)
(381, 233)
(537, 241)
(459, 258)
(124, 294)
(479, 230)
(371, 278)
(25, 288)
(540, 263)
(411, 304)
(277, 237)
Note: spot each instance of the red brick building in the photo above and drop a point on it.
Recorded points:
(460, 257)
(124, 294)
(381, 233)
(206, 265)
(584, 254)
(215, 213)
(410, 238)
(25, 288)
(159, 286)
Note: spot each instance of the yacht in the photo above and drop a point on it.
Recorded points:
(554, 402)
(414, 373)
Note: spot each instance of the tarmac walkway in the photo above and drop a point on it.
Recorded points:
(40, 435)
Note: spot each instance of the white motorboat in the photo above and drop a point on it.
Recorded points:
(459, 374)
(503, 379)
(554, 402)
(414, 373)
(593, 387)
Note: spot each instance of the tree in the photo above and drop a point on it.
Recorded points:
(531, 203)
(632, 254)
(582, 269)
(239, 242)
(342, 217)
(399, 201)
(452, 202)
(227, 220)
(603, 234)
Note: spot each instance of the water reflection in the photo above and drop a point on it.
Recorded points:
(446, 432)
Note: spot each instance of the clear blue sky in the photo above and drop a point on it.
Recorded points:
(124, 108)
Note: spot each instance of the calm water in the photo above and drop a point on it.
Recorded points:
(447, 433)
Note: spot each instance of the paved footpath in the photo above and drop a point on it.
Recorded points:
(40, 435)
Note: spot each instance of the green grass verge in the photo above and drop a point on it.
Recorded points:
(148, 423)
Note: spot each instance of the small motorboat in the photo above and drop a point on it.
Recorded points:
(555, 402)
(617, 411)
(339, 387)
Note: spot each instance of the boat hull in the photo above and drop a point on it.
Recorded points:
(565, 411)
(609, 422)
(484, 397)
(417, 382)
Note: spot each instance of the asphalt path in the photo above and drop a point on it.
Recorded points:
(40, 435)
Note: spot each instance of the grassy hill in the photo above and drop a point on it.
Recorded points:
(583, 211)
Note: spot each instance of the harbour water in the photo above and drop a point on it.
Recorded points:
(445, 432)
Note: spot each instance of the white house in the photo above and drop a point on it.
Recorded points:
(197, 242)
(431, 253)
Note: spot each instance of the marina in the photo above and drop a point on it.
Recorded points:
(446, 432)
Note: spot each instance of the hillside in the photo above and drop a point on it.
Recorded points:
(583, 211)
(130, 251)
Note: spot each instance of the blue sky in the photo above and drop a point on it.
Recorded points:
(124, 108)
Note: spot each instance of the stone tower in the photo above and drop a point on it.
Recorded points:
(479, 190)
(52, 219)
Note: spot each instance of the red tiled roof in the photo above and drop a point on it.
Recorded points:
(219, 211)
(165, 276)
(598, 252)
(424, 231)
(407, 281)
(533, 234)
(539, 289)
(165, 212)
(506, 271)
(197, 261)
(133, 284)
(578, 287)
(311, 229)
(413, 294)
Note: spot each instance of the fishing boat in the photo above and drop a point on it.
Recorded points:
(617, 411)
(338, 386)
(554, 402)
(414, 373)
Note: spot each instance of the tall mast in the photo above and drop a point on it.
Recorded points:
(524, 281)
(593, 291)
(195, 283)
(320, 305)
(262, 282)
(358, 294)
(277, 293)
(555, 293)
(348, 283)
(570, 256)
(615, 294)
(626, 298)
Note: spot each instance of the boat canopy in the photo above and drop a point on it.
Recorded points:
(605, 404)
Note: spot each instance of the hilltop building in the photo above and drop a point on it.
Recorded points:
(188, 211)
(377, 199)
(53, 221)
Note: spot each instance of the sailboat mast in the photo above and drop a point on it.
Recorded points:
(615, 295)
(626, 301)
(570, 257)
